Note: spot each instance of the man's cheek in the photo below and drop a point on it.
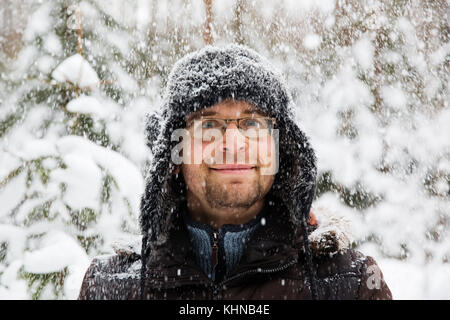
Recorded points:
(193, 177)
(252, 153)
(192, 152)
(208, 152)
(267, 156)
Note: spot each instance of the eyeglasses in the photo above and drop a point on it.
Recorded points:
(252, 127)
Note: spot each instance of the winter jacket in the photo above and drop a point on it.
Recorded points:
(286, 257)
(273, 266)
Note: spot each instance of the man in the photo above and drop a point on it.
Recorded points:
(232, 219)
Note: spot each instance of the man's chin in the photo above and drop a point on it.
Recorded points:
(230, 203)
(235, 194)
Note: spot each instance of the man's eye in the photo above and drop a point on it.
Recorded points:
(210, 124)
(252, 123)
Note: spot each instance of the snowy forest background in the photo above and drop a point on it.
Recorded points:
(369, 79)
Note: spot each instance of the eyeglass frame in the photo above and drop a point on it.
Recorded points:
(237, 120)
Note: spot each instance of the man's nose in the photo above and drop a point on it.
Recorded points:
(234, 141)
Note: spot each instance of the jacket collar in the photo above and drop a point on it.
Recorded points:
(273, 244)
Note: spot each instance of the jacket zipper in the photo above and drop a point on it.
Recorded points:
(216, 287)
(215, 250)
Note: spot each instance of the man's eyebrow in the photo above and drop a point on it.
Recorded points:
(199, 114)
(253, 111)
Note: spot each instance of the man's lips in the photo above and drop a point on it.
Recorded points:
(233, 168)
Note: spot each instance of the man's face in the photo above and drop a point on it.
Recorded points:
(233, 172)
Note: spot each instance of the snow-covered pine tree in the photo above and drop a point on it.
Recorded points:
(67, 192)
(391, 57)
(375, 75)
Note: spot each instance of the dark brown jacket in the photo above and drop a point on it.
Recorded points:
(272, 267)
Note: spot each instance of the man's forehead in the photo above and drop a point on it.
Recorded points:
(227, 109)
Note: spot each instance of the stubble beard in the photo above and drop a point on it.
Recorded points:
(220, 195)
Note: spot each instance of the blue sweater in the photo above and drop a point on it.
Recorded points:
(231, 241)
